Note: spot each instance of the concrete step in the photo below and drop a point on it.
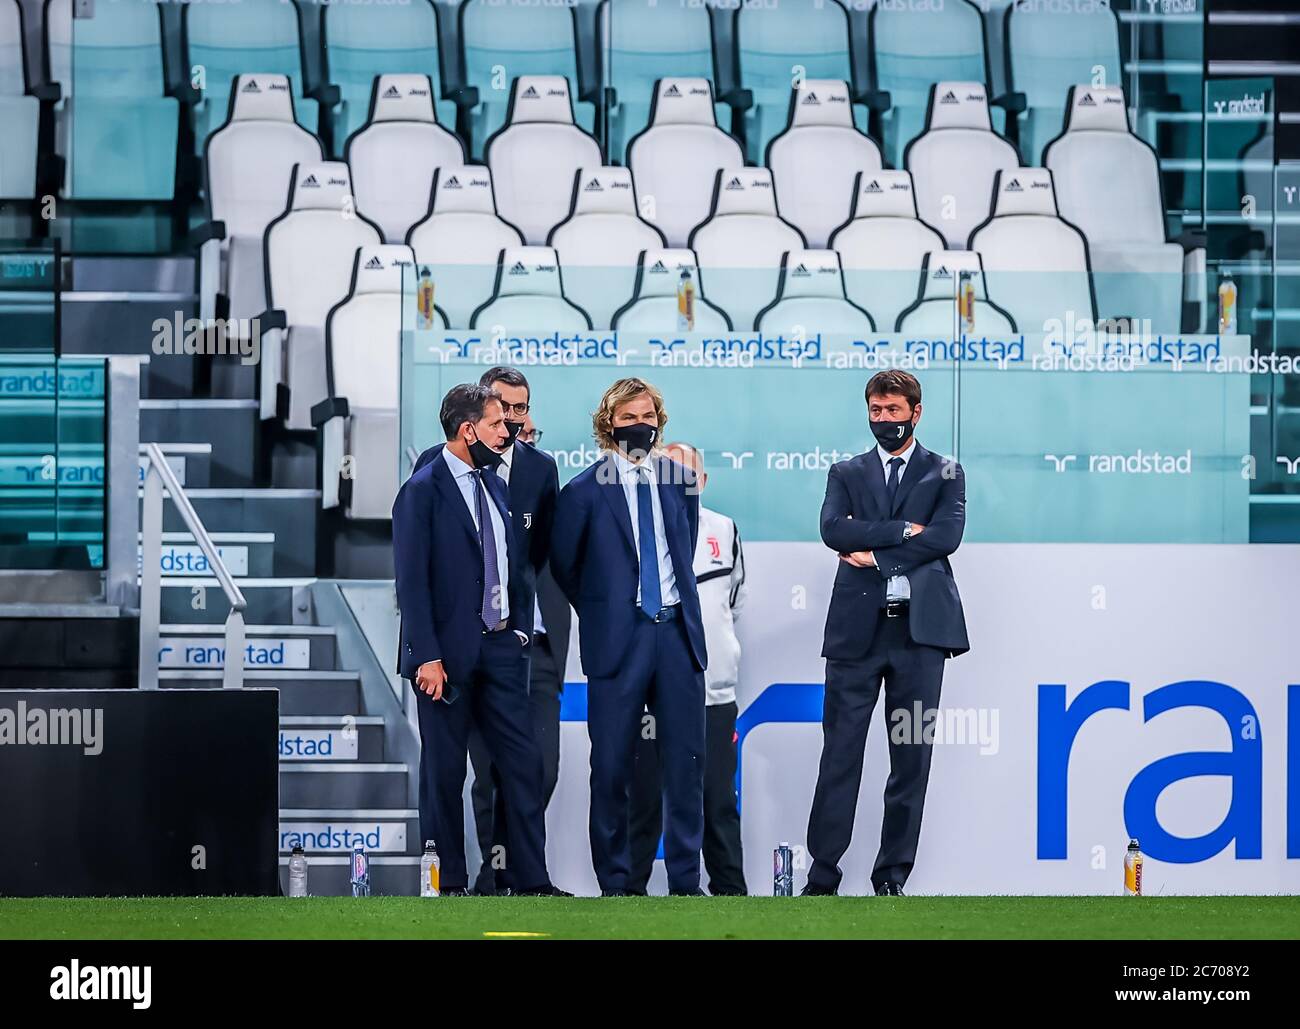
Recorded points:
(202, 645)
(245, 554)
(191, 462)
(270, 601)
(230, 426)
(390, 876)
(332, 738)
(331, 831)
(343, 784)
(301, 693)
(288, 514)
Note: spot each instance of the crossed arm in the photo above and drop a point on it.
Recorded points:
(880, 544)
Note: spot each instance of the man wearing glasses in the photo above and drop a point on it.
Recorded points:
(533, 484)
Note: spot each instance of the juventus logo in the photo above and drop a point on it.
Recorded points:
(528, 519)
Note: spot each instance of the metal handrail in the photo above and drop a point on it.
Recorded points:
(158, 477)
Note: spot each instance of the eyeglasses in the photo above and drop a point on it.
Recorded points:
(519, 409)
(534, 437)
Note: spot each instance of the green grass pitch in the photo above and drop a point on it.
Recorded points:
(1215, 918)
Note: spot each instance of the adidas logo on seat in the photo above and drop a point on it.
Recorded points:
(374, 264)
(1014, 187)
(873, 187)
(452, 183)
(672, 91)
(811, 98)
(801, 270)
(942, 272)
(593, 186)
(1087, 101)
(735, 183)
(530, 93)
(658, 268)
(251, 86)
(948, 98)
(518, 268)
(392, 93)
(310, 182)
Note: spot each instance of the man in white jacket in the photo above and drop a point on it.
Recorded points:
(720, 576)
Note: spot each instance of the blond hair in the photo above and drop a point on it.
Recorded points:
(602, 419)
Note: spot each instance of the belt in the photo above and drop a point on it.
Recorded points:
(896, 608)
(667, 614)
(501, 626)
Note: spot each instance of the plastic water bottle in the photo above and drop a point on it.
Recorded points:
(360, 872)
(430, 871)
(1133, 870)
(1227, 306)
(297, 873)
(782, 871)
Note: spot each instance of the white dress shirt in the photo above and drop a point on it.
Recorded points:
(504, 469)
(464, 476)
(628, 474)
(897, 587)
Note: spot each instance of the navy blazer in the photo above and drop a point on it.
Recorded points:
(856, 516)
(534, 489)
(438, 562)
(595, 563)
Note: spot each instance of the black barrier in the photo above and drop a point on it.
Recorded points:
(138, 793)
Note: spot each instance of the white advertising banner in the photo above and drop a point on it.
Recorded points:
(1111, 691)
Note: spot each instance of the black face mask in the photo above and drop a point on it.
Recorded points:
(893, 436)
(514, 428)
(482, 455)
(636, 440)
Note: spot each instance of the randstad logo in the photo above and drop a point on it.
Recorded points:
(1060, 726)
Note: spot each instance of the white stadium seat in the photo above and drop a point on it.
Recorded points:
(600, 241)
(1036, 264)
(675, 159)
(742, 242)
(528, 295)
(363, 353)
(953, 162)
(461, 238)
(394, 156)
(534, 155)
(1108, 184)
(310, 251)
(249, 164)
(816, 160)
(658, 302)
(883, 244)
(810, 299)
(934, 313)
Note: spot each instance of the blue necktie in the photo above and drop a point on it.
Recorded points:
(891, 483)
(651, 600)
(491, 609)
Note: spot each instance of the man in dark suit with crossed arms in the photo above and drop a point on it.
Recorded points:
(894, 515)
(466, 600)
(622, 552)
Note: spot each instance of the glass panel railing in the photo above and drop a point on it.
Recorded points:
(52, 461)
(1069, 430)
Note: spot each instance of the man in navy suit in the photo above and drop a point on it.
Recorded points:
(622, 551)
(894, 515)
(466, 596)
(533, 485)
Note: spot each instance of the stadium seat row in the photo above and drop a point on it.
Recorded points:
(119, 119)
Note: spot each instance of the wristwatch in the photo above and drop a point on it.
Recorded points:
(907, 531)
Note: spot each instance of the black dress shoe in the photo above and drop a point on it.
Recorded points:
(613, 893)
(541, 891)
(456, 891)
(812, 889)
(890, 890)
(697, 892)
